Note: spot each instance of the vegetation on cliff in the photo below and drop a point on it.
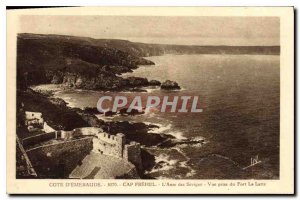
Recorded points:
(88, 63)
(57, 116)
(77, 64)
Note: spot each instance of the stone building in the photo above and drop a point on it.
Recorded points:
(107, 144)
(102, 143)
(132, 153)
(113, 145)
(34, 119)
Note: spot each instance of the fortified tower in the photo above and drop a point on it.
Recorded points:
(132, 153)
(120, 142)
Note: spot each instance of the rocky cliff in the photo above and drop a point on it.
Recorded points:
(88, 63)
(43, 59)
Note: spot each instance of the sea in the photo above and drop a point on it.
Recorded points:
(240, 97)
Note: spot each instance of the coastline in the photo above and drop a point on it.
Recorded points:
(71, 74)
(148, 135)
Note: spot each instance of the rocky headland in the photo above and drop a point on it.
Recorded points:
(95, 64)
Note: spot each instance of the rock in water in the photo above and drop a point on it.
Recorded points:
(137, 81)
(169, 85)
(154, 83)
(133, 112)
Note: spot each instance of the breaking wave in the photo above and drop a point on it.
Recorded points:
(163, 163)
(166, 129)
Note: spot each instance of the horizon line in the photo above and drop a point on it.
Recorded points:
(121, 39)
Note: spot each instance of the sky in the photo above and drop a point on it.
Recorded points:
(187, 30)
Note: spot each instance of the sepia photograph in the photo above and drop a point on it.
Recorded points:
(152, 97)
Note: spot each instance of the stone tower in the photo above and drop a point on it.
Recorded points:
(120, 142)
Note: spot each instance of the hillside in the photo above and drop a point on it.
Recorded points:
(88, 63)
(57, 60)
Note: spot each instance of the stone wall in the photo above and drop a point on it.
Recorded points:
(56, 160)
(36, 139)
(87, 131)
(109, 144)
(132, 153)
(79, 132)
(59, 159)
(67, 135)
(47, 128)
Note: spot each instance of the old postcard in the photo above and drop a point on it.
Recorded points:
(150, 100)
